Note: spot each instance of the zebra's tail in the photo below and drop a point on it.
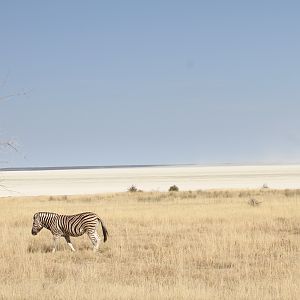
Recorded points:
(104, 230)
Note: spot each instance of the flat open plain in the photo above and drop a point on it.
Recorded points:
(91, 181)
(193, 244)
(179, 245)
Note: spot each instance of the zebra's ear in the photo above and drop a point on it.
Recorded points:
(35, 216)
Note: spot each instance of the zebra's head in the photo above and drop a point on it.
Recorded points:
(37, 224)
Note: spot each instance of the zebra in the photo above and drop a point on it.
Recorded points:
(72, 225)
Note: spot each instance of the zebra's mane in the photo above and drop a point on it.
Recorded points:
(46, 213)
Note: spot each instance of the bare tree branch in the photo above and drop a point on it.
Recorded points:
(9, 144)
(22, 93)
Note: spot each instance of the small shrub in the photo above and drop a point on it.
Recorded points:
(253, 202)
(265, 186)
(173, 188)
(132, 189)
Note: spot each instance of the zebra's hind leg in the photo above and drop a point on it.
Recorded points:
(55, 240)
(68, 240)
(94, 237)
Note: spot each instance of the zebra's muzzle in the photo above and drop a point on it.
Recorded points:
(33, 232)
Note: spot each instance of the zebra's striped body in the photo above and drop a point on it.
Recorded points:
(66, 226)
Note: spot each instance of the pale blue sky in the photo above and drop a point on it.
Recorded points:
(150, 82)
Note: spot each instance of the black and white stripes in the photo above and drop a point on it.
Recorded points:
(72, 225)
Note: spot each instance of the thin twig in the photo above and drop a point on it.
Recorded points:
(24, 93)
(9, 144)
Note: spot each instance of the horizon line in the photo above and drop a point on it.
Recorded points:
(82, 167)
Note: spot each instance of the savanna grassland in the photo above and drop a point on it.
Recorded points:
(179, 245)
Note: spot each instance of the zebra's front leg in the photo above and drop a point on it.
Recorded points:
(55, 240)
(68, 240)
(94, 237)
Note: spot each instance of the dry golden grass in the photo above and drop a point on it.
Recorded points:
(185, 245)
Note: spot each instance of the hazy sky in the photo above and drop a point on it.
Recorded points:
(150, 82)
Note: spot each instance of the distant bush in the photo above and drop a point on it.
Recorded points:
(173, 188)
(132, 189)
